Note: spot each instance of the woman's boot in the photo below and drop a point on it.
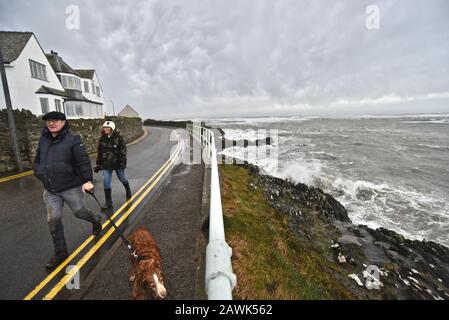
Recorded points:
(128, 191)
(108, 197)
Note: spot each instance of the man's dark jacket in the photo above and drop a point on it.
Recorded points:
(62, 162)
(111, 153)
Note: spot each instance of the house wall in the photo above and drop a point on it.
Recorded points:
(90, 95)
(22, 86)
(29, 129)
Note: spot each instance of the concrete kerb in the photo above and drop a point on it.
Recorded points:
(200, 287)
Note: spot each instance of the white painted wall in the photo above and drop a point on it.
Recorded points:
(91, 95)
(22, 86)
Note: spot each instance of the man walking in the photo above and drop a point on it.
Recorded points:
(63, 166)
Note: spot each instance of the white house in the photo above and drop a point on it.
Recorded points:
(84, 95)
(42, 82)
(128, 112)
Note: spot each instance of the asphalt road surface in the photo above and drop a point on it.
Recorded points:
(26, 244)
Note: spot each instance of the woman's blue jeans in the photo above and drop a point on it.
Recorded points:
(107, 177)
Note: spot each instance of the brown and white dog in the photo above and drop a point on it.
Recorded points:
(148, 268)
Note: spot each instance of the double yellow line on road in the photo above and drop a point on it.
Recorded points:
(156, 177)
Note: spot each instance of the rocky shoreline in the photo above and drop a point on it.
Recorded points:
(373, 264)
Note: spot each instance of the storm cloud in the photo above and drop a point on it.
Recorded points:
(182, 59)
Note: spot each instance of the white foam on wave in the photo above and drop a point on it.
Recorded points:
(264, 157)
(397, 116)
(300, 171)
(250, 134)
(257, 120)
(443, 121)
(382, 205)
(433, 146)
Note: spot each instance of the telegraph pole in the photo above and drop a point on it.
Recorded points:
(12, 125)
(113, 108)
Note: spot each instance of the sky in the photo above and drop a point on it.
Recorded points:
(182, 59)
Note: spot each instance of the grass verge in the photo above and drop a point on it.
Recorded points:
(271, 261)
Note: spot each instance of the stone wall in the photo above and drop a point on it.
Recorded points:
(29, 129)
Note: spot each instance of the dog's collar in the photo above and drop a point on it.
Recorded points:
(141, 258)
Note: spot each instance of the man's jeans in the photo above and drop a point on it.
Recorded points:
(55, 202)
(107, 176)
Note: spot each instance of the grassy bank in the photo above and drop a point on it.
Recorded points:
(270, 261)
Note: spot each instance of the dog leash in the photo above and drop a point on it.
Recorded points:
(122, 236)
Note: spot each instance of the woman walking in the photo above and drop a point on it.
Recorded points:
(111, 156)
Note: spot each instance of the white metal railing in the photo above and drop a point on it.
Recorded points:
(220, 280)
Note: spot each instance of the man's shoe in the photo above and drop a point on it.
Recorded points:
(55, 261)
(96, 228)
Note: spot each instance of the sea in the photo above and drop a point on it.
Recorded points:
(388, 171)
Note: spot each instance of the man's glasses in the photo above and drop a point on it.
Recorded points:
(53, 120)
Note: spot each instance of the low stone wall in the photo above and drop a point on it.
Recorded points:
(29, 129)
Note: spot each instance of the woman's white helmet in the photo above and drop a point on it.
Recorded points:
(109, 124)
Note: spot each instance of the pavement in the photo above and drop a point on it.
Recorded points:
(26, 241)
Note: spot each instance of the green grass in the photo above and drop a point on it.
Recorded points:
(270, 261)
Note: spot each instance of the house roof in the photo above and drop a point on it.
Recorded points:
(129, 109)
(47, 90)
(58, 64)
(65, 94)
(85, 73)
(83, 99)
(12, 44)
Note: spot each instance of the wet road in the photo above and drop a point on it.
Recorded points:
(26, 244)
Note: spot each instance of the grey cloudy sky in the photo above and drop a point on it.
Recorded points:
(214, 58)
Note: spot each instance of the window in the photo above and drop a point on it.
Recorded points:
(99, 110)
(38, 70)
(70, 82)
(79, 109)
(86, 86)
(97, 90)
(63, 81)
(77, 83)
(58, 105)
(44, 105)
(69, 109)
(93, 88)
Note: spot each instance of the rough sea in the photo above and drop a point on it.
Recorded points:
(389, 171)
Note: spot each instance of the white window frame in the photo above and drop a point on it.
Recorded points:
(58, 105)
(38, 70)
(46, 105)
